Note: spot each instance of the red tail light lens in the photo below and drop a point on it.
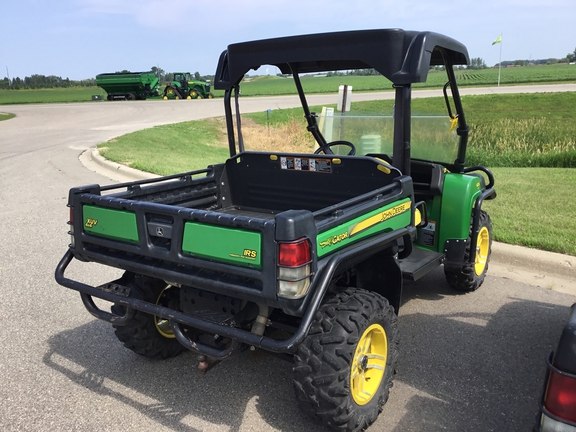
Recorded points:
(560, 397)
(294, 254)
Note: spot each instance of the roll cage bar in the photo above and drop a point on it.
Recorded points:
(404, 57)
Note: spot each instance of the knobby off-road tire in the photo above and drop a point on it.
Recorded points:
(344, 368)
(146, 334)
(469, 277)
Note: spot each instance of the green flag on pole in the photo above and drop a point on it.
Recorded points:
(498, 40)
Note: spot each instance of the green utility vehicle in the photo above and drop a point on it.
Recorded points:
(128, 85)
(184, 87)
(302, 254)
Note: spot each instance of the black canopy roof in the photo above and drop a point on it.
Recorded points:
(401, 56)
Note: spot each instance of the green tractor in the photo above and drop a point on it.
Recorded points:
(184, 87)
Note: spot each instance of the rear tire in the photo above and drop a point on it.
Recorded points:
(147, 334)
(345, 366)
(469, 277)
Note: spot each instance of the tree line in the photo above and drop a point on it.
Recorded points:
(37, 81)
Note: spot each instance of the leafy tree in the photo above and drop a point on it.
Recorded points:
(197, 76)
(159, 72)
(362, 72)
(477, 63)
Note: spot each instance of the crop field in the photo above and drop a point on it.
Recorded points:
(274, 85)
(508, 76)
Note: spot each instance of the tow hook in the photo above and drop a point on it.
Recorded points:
(205, 364)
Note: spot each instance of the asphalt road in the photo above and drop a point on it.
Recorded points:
(472, 362)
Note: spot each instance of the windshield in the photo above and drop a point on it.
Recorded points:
(433, 137)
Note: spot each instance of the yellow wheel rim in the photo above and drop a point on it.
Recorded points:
(368, 364)
(482, 249)
(163, 325)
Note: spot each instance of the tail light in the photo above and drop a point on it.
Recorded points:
(71, 225)
(559, 404)
(294, 270)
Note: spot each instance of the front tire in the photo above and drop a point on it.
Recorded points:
(146, 334)
(469, 277)
(345, 366)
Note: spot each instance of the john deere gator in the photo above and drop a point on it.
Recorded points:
(302, 254)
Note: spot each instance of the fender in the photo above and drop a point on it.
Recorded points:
(459, 196)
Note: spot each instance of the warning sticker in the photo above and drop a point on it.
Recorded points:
(428, 234)
(306, 164)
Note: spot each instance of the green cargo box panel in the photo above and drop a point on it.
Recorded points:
(388, 218)
(110, 223)
(229, 245)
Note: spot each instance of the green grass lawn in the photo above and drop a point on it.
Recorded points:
(170, 149)
(535, 207)
(6, 116)
(515, 130)
(55, 95)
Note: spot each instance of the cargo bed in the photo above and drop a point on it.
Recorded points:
(168, 227)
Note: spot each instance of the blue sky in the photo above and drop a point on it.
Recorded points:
(81, 38)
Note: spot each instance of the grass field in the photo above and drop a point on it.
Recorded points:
(515, 130)
(56, 95)
(168, 149)
(534, 206)
(6, 116)
(273, 85)
(484, 77)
